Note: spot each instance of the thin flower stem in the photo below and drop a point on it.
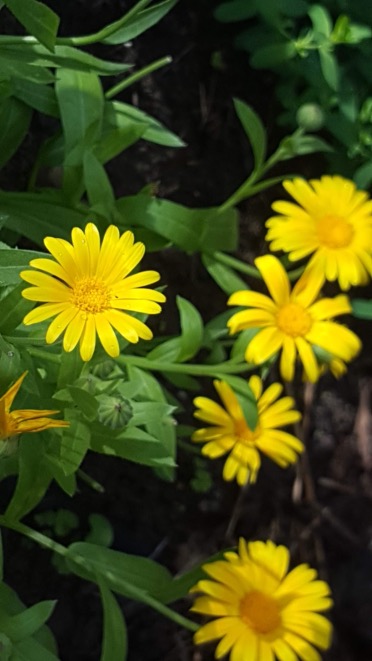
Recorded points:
(51, 545)
(113, 91)
(85, 40)
(238, 265)
(216, 370)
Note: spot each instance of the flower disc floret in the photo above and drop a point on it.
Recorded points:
(87, 288)
(230, 433)
(332, 223)
(293, 322)
(262, 610)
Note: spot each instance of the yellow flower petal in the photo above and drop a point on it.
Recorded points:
(275, 278)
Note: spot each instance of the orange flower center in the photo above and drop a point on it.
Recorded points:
(243, 432)
(293, 320)
(334, 231)
(91, 295)
(260, 612)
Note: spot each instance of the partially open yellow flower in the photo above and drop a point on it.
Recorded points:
(332, 222)
(230, 432)
(293, 322)
(22, 421)
(87, 287)
(263, 612)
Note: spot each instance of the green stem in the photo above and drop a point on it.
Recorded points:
(238, 265)
(44, 355)
(216, 370)
(113, 91)
(51, 545)
(102, 34)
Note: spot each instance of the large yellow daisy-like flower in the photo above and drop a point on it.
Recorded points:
(263, 612)
(88, 289)
(292, 321)
(333, 222)
(13, 423)
(230, 432)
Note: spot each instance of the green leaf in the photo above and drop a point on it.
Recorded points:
(100, 194)
(254, 130)
(189, 229)
(11, 68)
(122, 115)
(144, 413)
(224, 276)
(140, 22)
(15, 118)
(85, 401)
(40, 97)
(81, 101)
(34, 56)
(235, 10)
(363, 175)
(13, 309)
(33, 479)
(36, 216)
(188, 343)
(321, 20)
(128, 575)
(12, 262)
(114, 644)
(273, 56)
(25, 624)
(330, 68)
(362, 309)
(74, 444)
(37, 18)
(132, 444)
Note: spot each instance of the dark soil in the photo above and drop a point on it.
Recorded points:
(324, 514)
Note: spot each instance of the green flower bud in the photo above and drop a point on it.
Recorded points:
(114, 412)
(310, 117)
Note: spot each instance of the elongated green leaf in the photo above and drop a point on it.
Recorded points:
(13, 309)
(37, 18)
(274, 55)
(321, 20)
(100, 194)
(75, 443)
(122, 115)
(33, 479)
(188, 343)
(362, 308)
(132, 444)
(190, 229)
(254, 130)
(144, 413)
(114, 644)
(35, 56)
(191, 329)
(12, 68)
(80, 99)
(85, 401)
(330, 68)
(12, 262)
(140, 22)
(40, 97)
(129, 575)
(15, 118)
(224, 276)
(25, 624)
(37, 216)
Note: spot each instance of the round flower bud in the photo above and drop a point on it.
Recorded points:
(114, 412)
(310, 117)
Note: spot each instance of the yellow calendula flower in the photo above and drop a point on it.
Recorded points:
(231, 434)
(332, 222)
(22, 421)
(293, 322)
(88, 289)
(262, 611)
